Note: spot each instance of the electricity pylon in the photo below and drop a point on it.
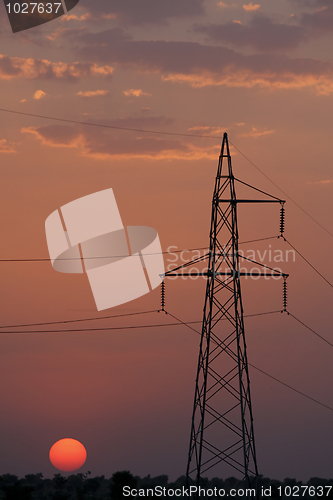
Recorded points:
(222, 421)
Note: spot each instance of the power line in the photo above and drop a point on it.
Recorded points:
(76, 330)
(101, 125)
(262, 371)
(262, 314)
(182, 322)
(290, 387)
(102, 318)
(77, 320)
(282, 191)
(259, 239)
(45, 259)
(130, 129)
(311, 330)
(309, 263)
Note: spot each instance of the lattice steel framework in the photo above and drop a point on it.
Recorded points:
(222, 421)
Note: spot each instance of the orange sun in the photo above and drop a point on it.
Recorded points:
(68, 454)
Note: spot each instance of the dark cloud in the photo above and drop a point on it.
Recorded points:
(320, 20)
(201, 65)
(100, 143)
(261, 33)
(312, 3)
(145, 11)
(265, 35)
(323, 3)
(58, 135)
(111, 37)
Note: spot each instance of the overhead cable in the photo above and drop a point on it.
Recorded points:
(130, 129)
(265, 373)
(309, 263)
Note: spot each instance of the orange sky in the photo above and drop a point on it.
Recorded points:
(264, 74)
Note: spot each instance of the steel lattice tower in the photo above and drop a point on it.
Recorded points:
(222, 422)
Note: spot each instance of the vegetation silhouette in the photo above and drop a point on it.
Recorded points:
(83, 487)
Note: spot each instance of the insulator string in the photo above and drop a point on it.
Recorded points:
(282, 217)
(285, 295)
(163, 296)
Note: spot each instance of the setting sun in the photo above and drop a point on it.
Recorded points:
(68, 454)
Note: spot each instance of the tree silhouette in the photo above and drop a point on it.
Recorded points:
(118, 481)
(17, 492)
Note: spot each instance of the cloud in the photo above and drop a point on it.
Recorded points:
(319, 21)
(224, 5)
(109, 16)
(312, 3)
(255, 133)
(206, 130)
(101, 144)
(203, 65)
(39, 94)
(250, 7)
(93, 93)
(264, 34)
(53, 36)
(5, 147)
(323, 85)
(261, 33)
(18, 67)
(55, 135)
(135, 93)
(73, 17)
(328, 181)
(145, 11)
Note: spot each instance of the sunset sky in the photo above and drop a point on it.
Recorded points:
(263, 73)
